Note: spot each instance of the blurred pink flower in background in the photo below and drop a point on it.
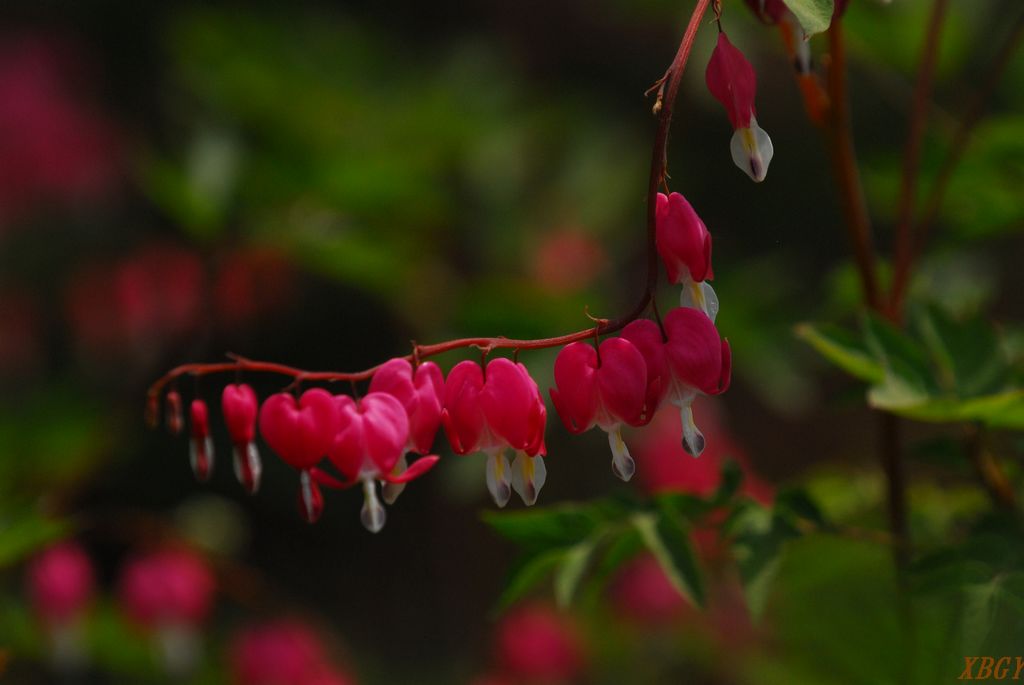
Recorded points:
(283, 652)
(664, 466)
(168, 594)
(536, 644)
(567, 261)
(168, 586)
(642, 593)
(60, 583)
(53, 144)
(137, 305)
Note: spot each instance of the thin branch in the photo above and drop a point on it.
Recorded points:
(912, 153)
(844, 160)
(962, 136)
(668, 89)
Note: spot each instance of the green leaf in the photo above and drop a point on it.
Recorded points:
(531, 573)
(546, 527)
(570, 571)
(25, 533)
(905, 362)
(814, 16)
(968, 351)
(843, 349)
(1002, 410)
(670, 545)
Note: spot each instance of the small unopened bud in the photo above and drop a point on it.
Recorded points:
(174, 417)
(201, 444)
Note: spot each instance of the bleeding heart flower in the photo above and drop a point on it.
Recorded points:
(605, 387)
(689, 358)
(60, 583)
(732, 81)
(684, 244)
(169, 592)
(239, 405)
(301, 433)
(373, 434)
(536, 644)
(493, 413)
(200, 444)
(420, 391)
(173, 414)
(282, 651)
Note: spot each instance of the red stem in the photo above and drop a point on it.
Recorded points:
(933, 203)
(844, 160)
(669, 88)
(912, 157)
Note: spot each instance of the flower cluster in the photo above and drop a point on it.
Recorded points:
(494, 407)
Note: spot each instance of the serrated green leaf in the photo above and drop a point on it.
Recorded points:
(842, 348)
(670, 545)
(570, 571)
(814, 16)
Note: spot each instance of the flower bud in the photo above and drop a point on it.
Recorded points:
(239, 406)
(201, 444)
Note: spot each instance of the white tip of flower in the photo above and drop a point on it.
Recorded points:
(623, 465)
(700, 296)
(752, 150)
(373, 514)
(200, 457)
(248, 467)
(391, 491)
(693, 439)
(528, 476)
(498, 478)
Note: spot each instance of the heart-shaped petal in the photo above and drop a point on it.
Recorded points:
(420, 392)
(697, 355)
(300, 432)
(372, 435)
(240, 406)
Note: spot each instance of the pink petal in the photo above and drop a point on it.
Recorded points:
(683, 241)
(621, 382)
(575, 395)
(510, 401)
(696, 354)
(239, 406)
(415, 470)
(646, 337)
(732, 81)
(462, 415)
(300, 432)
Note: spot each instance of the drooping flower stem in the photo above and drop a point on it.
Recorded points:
(933, 203)
(844, 160)
(668, 88)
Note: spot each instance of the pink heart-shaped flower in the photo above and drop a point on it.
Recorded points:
(420, 392)
(372, 435)
(300, 432)
(240, 406)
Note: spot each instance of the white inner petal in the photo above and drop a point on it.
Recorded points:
(498, 477)
(528, 476)
(752, 150)
(623, 465)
